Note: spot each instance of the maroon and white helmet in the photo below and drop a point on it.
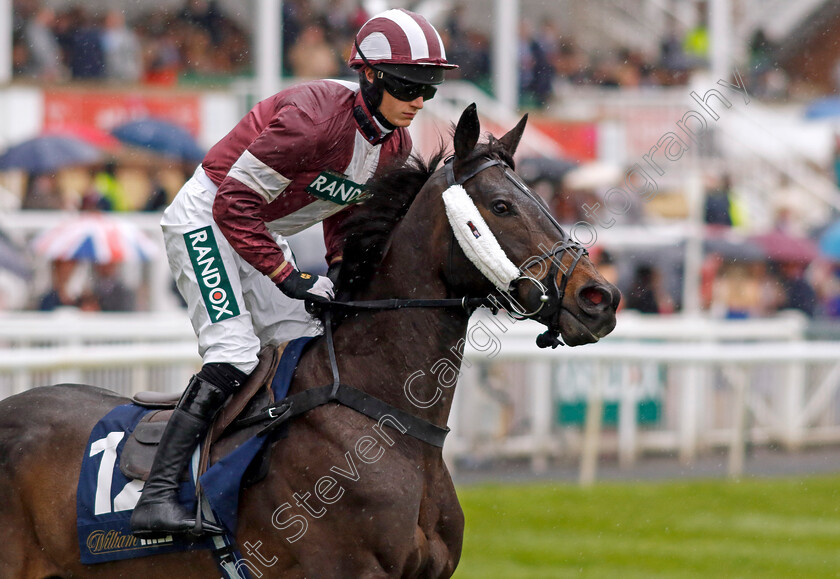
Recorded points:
(401, 43)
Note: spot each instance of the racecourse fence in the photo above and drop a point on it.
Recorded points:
(656, 385)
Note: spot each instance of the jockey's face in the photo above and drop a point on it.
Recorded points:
(398, 113)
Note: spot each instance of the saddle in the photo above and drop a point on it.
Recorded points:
(140, 448)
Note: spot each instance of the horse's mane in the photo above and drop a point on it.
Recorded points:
(367, 230)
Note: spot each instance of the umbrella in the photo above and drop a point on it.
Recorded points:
(532, 169)
(161, 136)
(823, 108)
(780, 246)
(830, 241)
(88, 133)
(49, 153)
(734, 249)
(95, 237)
(12, 258)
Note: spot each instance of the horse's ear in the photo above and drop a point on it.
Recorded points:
(466, 133)
(511, 140)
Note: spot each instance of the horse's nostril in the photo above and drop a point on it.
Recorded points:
(594, 295)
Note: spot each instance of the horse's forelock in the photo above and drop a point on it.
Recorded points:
(495, 149)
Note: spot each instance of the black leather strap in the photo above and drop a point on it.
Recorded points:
(370, 406)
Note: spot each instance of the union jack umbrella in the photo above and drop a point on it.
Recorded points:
(95, 237)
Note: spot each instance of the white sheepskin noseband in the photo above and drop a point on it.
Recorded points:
(476, 240)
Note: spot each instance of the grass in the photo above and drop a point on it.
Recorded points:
(752, 528)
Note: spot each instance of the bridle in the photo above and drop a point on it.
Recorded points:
(565, 244)
(551, 297)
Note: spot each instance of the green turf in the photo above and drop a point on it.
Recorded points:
(752, 528)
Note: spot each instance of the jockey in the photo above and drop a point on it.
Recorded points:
(297, 158)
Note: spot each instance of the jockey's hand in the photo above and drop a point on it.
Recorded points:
(307, 286)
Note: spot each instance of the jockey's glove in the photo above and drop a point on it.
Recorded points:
(307, 286)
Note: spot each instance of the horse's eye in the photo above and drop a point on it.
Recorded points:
(500, 207)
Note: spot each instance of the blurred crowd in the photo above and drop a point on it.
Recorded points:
(102, 279)
(161, 46)
(76, 43)
(739, 278)
(793, 265)
(101, 188)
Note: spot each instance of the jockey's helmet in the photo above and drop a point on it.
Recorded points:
(405, 53)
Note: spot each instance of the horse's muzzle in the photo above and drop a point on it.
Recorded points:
(593, 312)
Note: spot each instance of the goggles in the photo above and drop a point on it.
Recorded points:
(405, 90)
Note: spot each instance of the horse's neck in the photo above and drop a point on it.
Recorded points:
(403, 357)
(406, 357)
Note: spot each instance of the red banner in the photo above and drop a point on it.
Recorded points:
(106, 110)
(579, 140)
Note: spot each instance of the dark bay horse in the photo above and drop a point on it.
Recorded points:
(388, 507)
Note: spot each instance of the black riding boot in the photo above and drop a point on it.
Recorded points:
(158, 512)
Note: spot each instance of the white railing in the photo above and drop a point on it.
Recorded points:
(125, 353)
(713, 383)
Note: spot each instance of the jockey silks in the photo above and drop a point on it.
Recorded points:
(297, 158)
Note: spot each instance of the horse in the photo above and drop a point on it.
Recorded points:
(393, 512)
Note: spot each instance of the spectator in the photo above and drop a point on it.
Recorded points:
(111, 294)
(294, 14)
(338, 16)
(643, 294)
(162, 55)
(88, 302)
(744, 291)
(570, 62)
(205, 15)
(158, 197)
(526, 62)
(718, 203)
(673, 60)
(542, 73)
(797, 292)
(762, 53)
(59, 294)
(42, 193)
(696, 39)
(113, 197)
(87, 57)
(123, 57)
(45, 58)
(312, 56)
(826, 280)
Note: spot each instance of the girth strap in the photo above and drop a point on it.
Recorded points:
(372, 407)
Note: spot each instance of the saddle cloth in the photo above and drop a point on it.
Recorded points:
(105, 496)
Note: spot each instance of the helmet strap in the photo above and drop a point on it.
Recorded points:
(372, 91)
(372, 95)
